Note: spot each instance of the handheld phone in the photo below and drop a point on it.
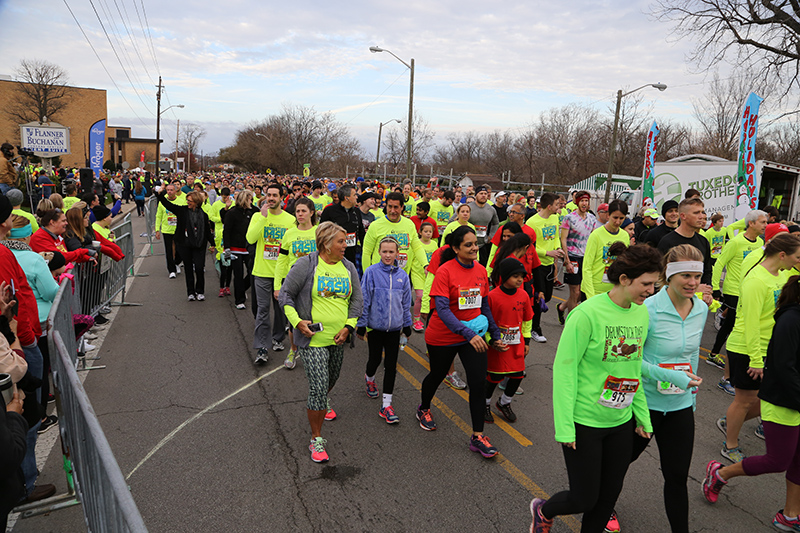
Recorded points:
(15, 307)
(316, 327)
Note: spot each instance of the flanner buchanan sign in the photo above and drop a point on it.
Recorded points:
(49, 140)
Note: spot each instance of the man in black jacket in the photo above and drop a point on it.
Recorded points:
(348, 216)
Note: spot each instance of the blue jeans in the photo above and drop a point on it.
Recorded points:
(33, 355)
(36, 367)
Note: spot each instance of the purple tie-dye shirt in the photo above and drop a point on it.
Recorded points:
(579, 231)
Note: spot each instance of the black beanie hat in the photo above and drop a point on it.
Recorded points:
(669, 204)
(5, 208)
(510, 266)
(101, 212)
(56, 262)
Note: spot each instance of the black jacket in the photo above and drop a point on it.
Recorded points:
(182, 214)
(350, 221)
(13, 431)
(235, 222)
(657, 233)
(781, 383)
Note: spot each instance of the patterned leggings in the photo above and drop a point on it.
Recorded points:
(322, 365)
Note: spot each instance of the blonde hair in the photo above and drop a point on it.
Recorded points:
(19, 221)
(683, 252)
(241, 198)
(326, 232)
(45, 205)
(57, 200)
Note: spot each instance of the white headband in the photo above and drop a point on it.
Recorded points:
(676, 267)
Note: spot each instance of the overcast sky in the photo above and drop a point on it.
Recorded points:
(479, 65)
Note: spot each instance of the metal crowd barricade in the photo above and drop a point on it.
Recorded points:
(94, 477)
(150, 211)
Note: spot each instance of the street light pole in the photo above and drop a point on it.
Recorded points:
(158, 129)
(375, 49)
(612, 152)
(380, 128)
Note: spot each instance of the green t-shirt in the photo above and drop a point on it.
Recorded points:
(600, 340)
(378, 213)
(547, 236)
(441, 215)
(731, 259)
(596, 260)
(405, 232)
(410, 207)
(295, 244)
(321, 202)
(267, 233)
(716, 240)
(330, 301)
(755, 314)
(69, 201)
(451, 227)
(779, 415)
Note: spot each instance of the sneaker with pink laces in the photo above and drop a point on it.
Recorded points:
(221, 292)
(372, 389)
(418, 325)
(712, 483)
(317, 448)
(784, 523)
(330, 415)
(539, 524)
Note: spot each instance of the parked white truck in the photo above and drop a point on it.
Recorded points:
(777, 184)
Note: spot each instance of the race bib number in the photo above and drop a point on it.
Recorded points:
(442, 228)
(351, 239)
(480, 231)
(618, 393)
(470, 298)
(510, 335)
(402, 260)
(272, 252)
(665, 387)
(172, 220)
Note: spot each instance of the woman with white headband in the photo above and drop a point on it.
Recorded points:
(669, 363)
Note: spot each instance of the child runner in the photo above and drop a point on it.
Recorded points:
(597, 403)
(780, 410)
(512, 311)
(387, 312)
(297, 242)
(426, 232)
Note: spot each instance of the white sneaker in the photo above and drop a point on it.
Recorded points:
(191, 297)
(88, 347)
(89, 336)
(241, 306)
(538, 338)
(201, 297)
(177, 269)
(172, 275)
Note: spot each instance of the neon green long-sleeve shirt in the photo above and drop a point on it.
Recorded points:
(405, 232)
(600, 340)
(266, 233)
(596, 260)
(731, 259)
(166, 222)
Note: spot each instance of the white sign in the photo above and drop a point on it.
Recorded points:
(50, 140)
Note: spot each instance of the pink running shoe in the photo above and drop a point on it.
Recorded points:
(317, 448)
(418, 325)
(330, 415)
(712, 483)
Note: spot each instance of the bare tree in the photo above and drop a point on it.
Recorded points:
(43, 93)
(191, 135)
(395, 142)
(764, 34)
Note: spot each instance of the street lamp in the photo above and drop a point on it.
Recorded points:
(376, 49)
(613, 149)
(158, 129)
(378, 155)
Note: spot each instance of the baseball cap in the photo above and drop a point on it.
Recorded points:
(331, 186)
(774, 229)
(479, 189)
(652, 213)
(501, 193)
(602, 207)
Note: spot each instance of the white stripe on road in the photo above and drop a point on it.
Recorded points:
(175, 431)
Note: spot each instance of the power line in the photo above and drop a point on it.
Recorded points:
(117, 55)
(376, 99)
(104, 66)
(130, 34)
(150, 35)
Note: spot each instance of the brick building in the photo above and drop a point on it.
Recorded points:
(86, 106)
(124, 148)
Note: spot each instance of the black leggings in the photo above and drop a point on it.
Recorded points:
(511, 387)
(596, 471)
(387, 342)
(727, 323)
(241, 276)
(225, 273)
(194, 262)
(140, 207)
(674, 433)
(543, 283)
(441, 357)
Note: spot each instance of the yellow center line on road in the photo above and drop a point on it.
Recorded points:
(513, 433)
(501, 459)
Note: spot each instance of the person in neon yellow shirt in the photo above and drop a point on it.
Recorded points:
(266, 231)
(320, 200)
(297, 242)
(747, 344)
(322, 288)
(166, 222)
(215, 214)
(716, 235)
(597, 258)
(462, 219)
(16, 197)
(442, 210)
(548, 248)
(409, 202)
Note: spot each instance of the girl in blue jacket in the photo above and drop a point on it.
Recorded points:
(387, 312)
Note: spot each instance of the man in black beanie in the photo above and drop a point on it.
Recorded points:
(670, 213)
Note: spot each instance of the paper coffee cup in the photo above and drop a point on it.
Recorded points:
(96, 244)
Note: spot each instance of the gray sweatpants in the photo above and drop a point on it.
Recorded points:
(267, 330)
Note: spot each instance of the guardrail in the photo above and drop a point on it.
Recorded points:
(94, 479)
(150, 211)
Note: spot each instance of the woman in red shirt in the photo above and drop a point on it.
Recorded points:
(48, 238)
(459, 320)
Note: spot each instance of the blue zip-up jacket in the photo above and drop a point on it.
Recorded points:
(671, 339)
(387, 298)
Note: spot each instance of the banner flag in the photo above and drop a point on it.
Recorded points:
(97, 146)
(747, 181)
(649, 162)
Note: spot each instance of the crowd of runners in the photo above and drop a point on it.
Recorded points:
(329, 263)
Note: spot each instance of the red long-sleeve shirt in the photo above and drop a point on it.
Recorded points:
(28, 328)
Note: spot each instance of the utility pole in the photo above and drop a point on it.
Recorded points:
(158, 129)
(177, 136)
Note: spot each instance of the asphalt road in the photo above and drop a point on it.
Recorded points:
(244, 465)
